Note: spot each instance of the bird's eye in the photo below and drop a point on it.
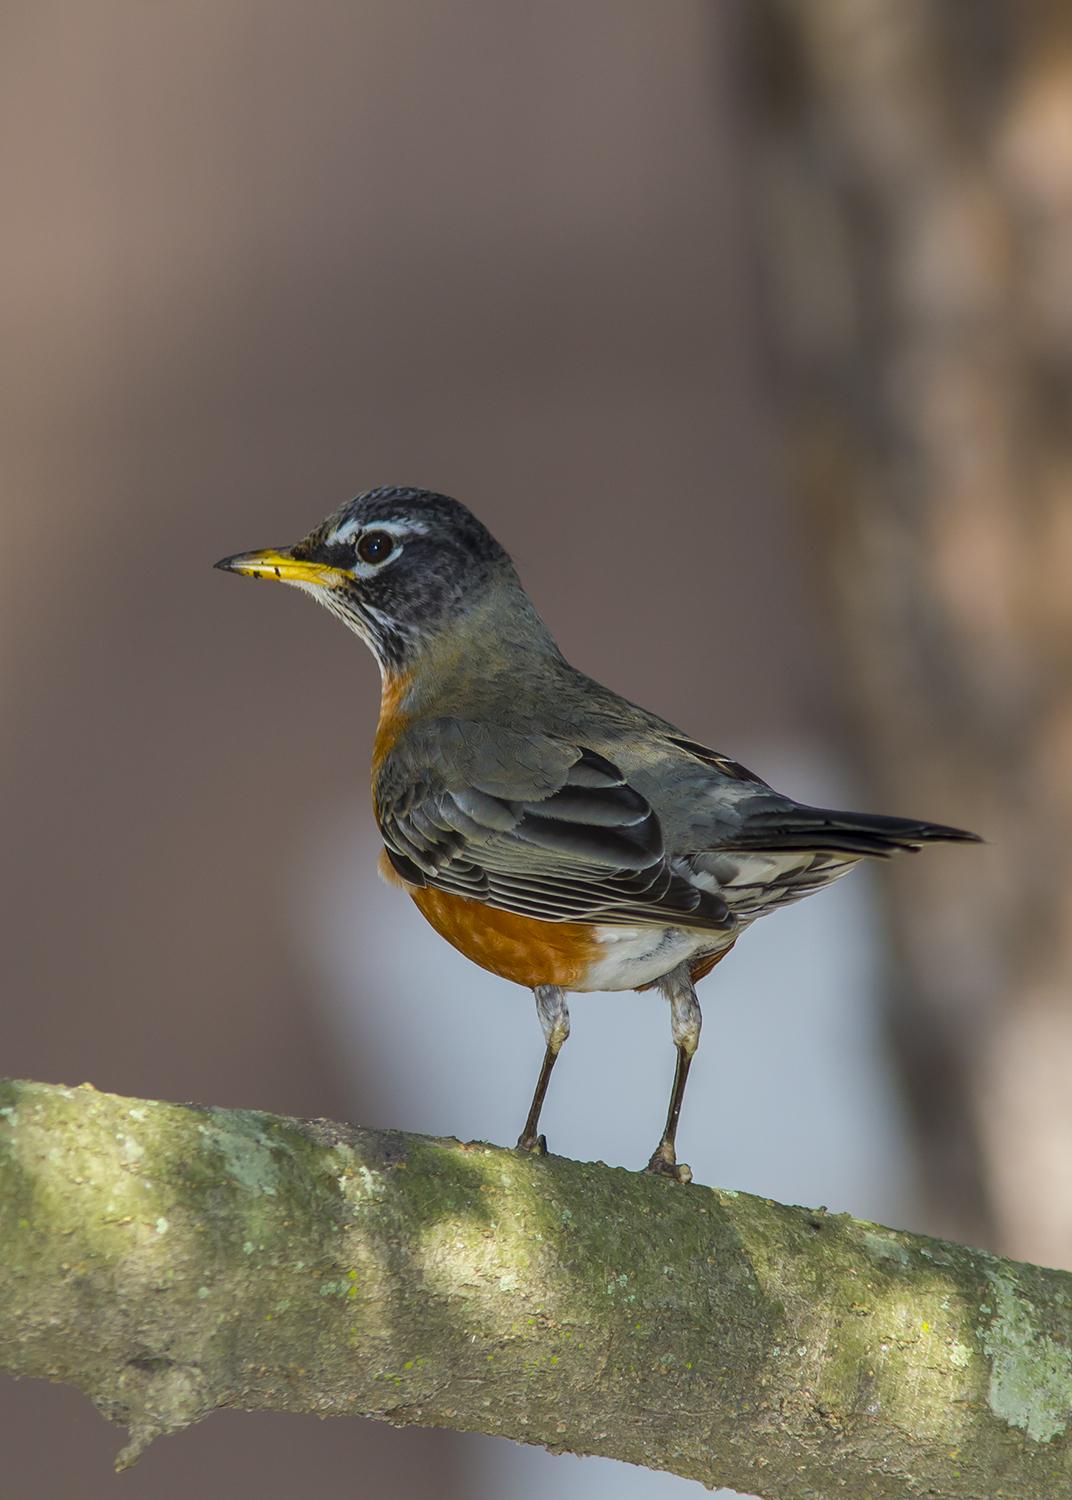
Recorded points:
(374, 546)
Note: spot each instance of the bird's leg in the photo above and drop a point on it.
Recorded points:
(685, 1023)
(554, 1018)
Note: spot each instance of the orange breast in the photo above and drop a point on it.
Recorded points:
(392, 720)
(522, 949)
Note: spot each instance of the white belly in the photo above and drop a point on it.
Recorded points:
(632, 956)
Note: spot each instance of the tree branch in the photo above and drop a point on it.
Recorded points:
(168, 1259)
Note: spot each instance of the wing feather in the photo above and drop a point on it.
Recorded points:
(531, 824)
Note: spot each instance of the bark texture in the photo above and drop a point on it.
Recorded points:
(170, 1259)
(913, 196)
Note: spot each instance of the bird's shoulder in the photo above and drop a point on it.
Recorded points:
(529, 729)
(445, 752)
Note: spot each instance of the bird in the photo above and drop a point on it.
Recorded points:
(554, 832)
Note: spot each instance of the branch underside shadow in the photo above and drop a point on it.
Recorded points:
(170, 1259)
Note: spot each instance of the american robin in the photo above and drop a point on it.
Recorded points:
(552, 831)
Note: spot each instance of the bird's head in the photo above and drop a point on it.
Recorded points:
(398, 566)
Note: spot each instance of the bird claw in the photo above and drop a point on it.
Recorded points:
(664, 1163)
(535, 1145)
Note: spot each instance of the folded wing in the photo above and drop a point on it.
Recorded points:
(531, 824)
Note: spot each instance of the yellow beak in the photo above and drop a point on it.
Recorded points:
(281, 564)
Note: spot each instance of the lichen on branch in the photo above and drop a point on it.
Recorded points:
(169, 1259)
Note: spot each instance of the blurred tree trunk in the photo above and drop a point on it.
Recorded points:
(913, 189)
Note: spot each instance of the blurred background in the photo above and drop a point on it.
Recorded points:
(747, 327)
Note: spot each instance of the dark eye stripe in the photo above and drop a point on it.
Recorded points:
(374, 546)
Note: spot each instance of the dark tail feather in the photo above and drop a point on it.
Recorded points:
(827, 832)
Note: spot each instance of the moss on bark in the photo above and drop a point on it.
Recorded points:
(169, 1259)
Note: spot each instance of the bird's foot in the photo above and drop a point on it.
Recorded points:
(536, 1145)
(664, 1163)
